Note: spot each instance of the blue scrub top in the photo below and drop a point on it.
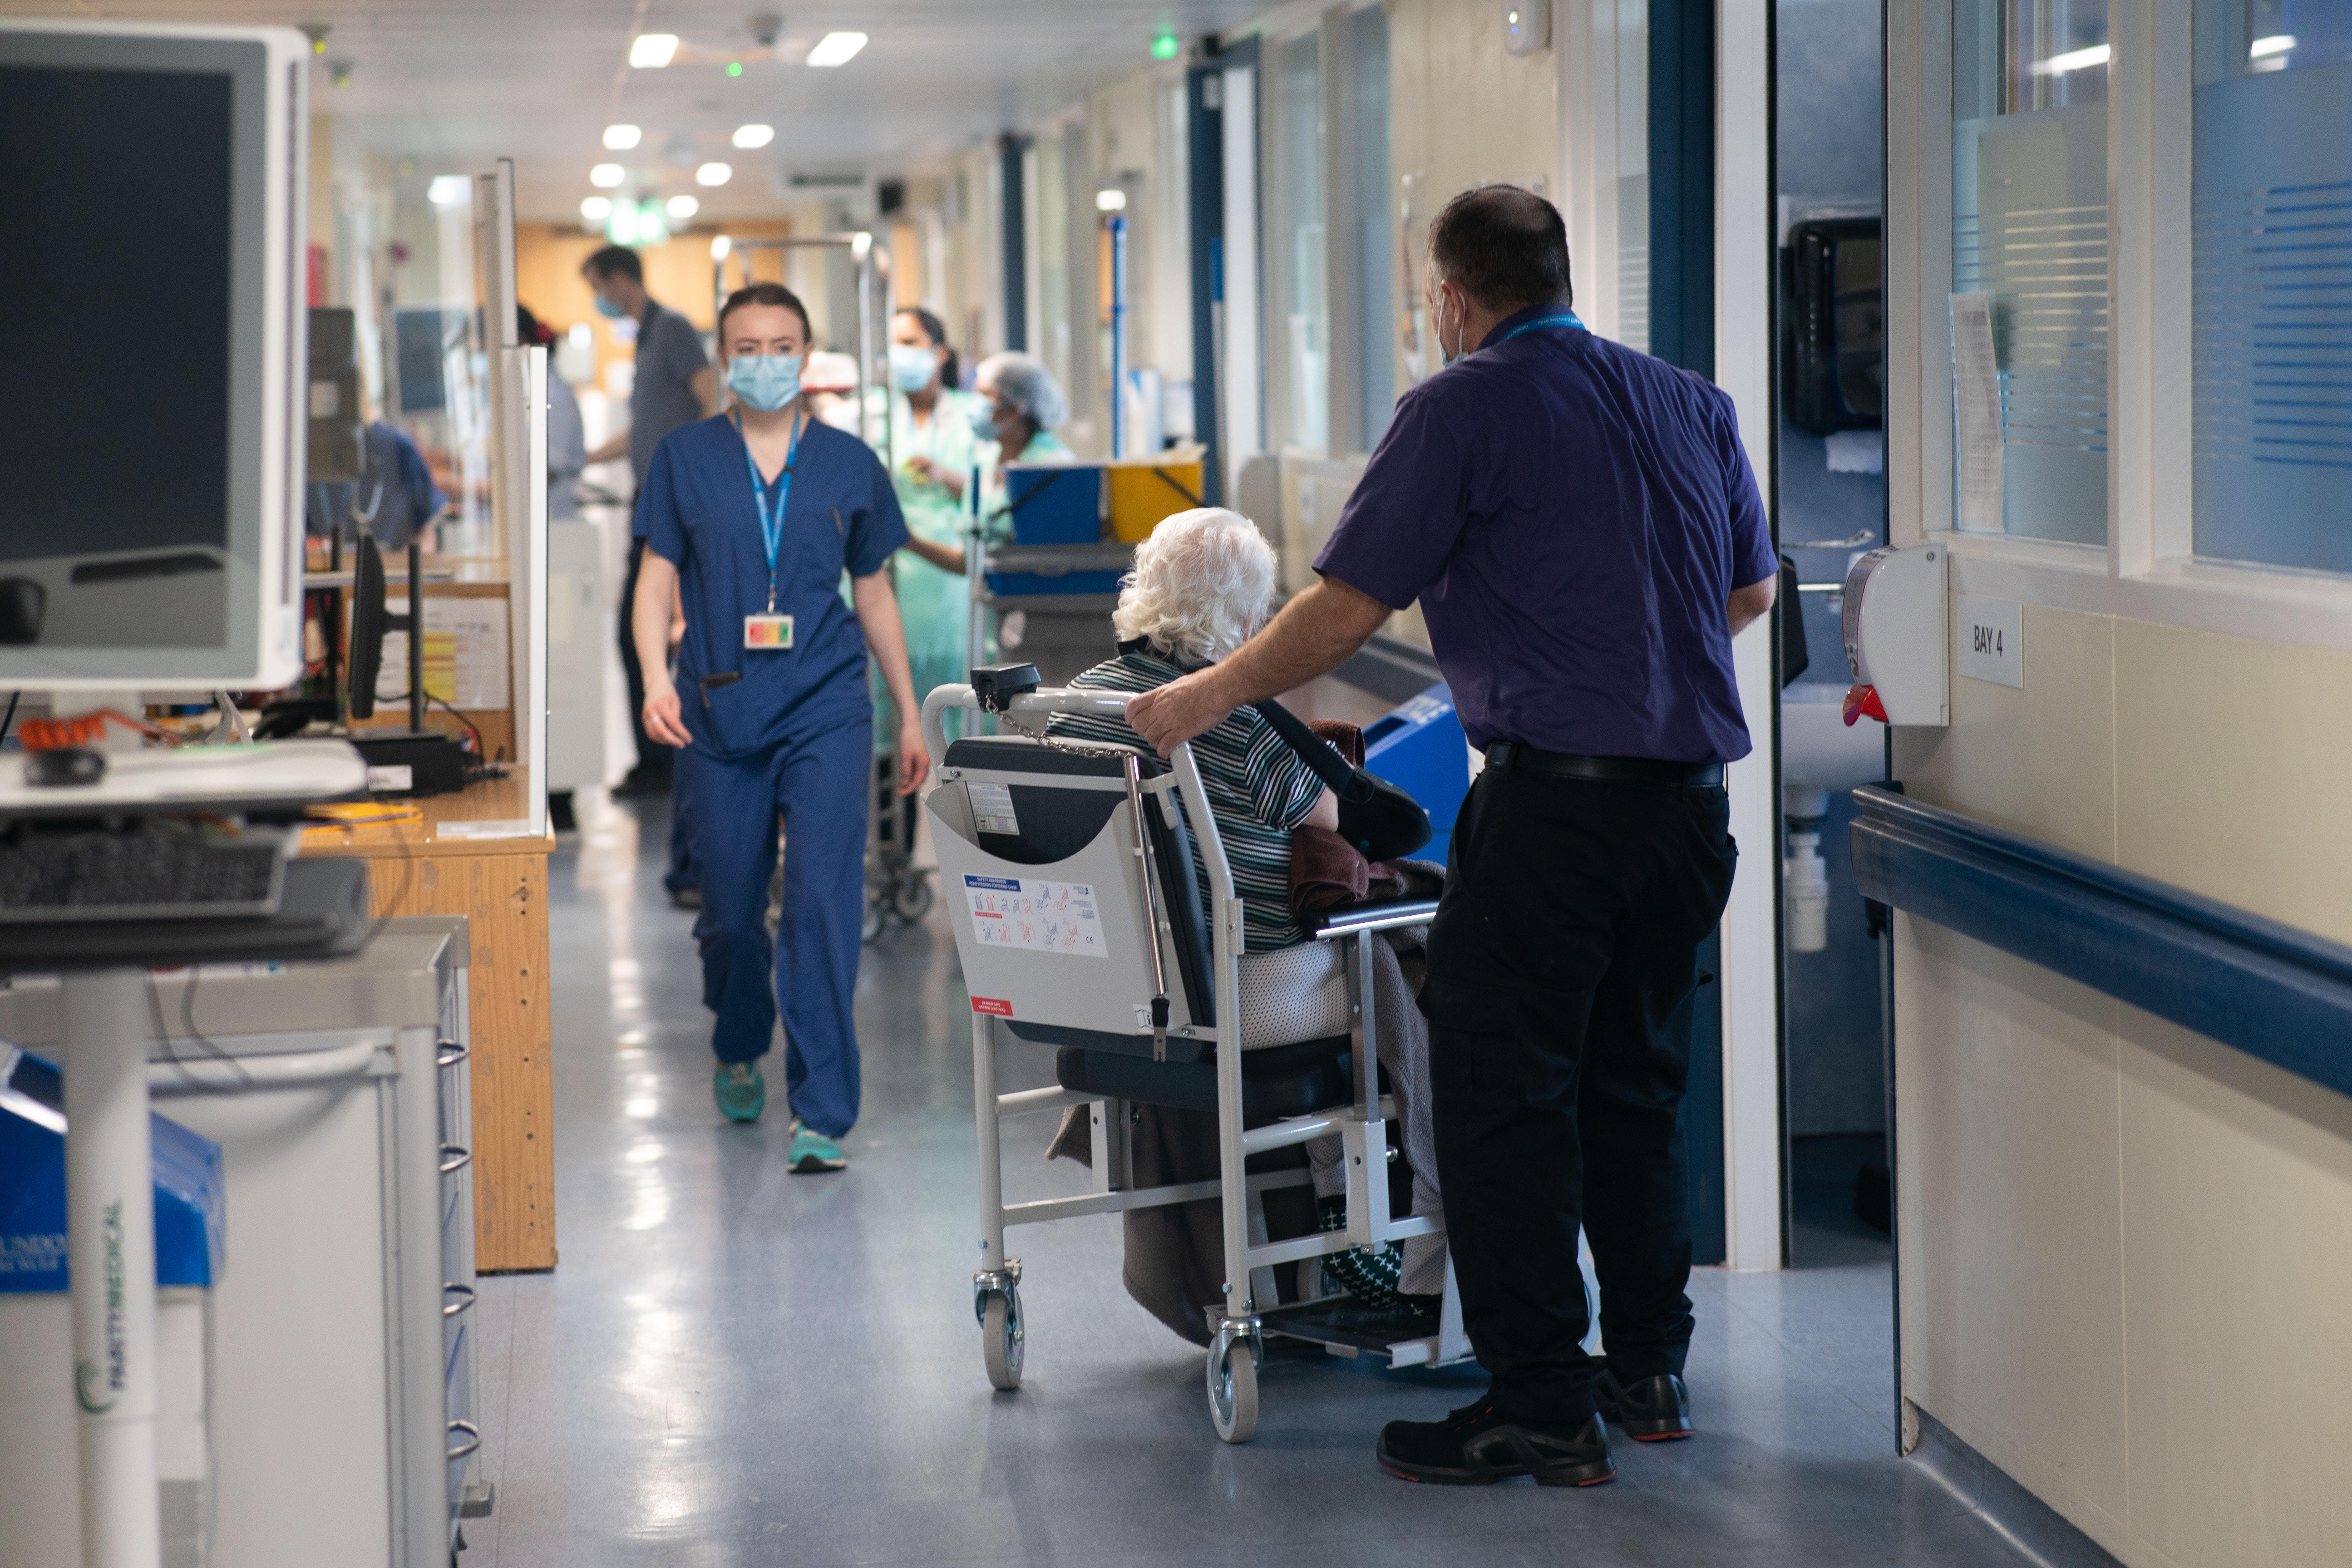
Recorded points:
(697, 513)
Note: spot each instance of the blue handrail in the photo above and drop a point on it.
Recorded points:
(2272, 991)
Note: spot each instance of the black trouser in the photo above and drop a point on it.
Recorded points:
(1562, 963)
(653, 759)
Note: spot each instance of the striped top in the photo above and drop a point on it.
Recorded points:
(1258, 790)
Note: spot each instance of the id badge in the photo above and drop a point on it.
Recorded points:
(768, 631)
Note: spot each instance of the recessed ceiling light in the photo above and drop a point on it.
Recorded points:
(836, 48)
(621, 138)
(714, 174)
(595, 209)
(606, 175)
(682, 208)
(748, 136)
(721, 247)
(450, 190)
(651, 51)
(1111, 200)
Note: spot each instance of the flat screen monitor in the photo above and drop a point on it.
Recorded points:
(151, 386)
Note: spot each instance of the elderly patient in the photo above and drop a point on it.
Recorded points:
(1203, 583)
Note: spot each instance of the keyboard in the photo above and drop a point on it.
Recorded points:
(146, 873)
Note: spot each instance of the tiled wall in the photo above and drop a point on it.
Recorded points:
(2126, 1249)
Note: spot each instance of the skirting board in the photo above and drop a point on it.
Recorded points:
(2038, 1532)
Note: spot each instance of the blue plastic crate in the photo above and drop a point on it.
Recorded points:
(1055, 503)
(1420, 748)
(188, 1187)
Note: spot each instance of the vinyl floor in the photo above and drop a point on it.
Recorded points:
(733, 1365)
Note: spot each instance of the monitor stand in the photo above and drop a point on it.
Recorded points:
(417, 759)
(322, 913)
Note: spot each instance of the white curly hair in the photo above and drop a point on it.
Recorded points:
(1203, 583)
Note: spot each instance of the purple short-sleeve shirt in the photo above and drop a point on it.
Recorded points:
(1572, 516)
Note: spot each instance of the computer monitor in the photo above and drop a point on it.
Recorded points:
(152, 389)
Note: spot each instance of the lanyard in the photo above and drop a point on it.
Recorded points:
(1565, 319)
(771, 529)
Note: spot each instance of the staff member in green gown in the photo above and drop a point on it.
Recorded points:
(935, 442)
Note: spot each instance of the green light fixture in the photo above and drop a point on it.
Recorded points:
(1165, 47)
(734, 67)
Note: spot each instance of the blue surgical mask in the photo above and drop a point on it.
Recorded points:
(984, 420)
(764, 382)
(912, 368)
(605, 308)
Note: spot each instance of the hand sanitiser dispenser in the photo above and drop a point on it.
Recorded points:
(1895, 611)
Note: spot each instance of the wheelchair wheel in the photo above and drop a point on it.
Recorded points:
(869, 926)
(910, 900)
(1233, 1392)
(1000, 1340)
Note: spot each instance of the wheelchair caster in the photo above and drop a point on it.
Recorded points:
(997, 1304)
(910, 900)
(1233, 1380)
(869, 928)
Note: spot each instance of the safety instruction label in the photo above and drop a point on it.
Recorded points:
(1036, 917)
(991, 808)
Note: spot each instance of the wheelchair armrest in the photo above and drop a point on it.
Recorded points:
(1380, 914)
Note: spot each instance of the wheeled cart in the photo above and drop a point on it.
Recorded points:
(1081, 923)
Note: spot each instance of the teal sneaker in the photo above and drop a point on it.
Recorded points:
(814, 1151)
(742, 1092)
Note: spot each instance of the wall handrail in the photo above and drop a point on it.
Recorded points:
(2274, 992)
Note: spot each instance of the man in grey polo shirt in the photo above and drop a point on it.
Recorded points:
(674, 386)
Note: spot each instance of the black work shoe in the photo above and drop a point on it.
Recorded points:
(1479, 1446)
(1651, 1409)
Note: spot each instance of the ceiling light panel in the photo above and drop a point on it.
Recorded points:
(836, 48)
(751, 136)
(682, 208)
(621, 138)
(651, 51)
(606, 175)
(714, 174)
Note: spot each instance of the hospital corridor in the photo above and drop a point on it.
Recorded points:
(1175, 783)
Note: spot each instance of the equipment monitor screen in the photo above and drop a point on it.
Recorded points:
(146, 386)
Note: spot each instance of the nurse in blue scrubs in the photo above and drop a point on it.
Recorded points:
(755, 515)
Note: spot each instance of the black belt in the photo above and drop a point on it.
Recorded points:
(1604, 770)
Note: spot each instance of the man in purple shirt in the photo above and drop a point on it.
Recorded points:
(1581, 527)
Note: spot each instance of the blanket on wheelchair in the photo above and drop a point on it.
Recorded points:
(1174, 1266)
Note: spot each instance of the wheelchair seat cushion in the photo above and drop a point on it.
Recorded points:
(1293, 993)
(1279, 1082)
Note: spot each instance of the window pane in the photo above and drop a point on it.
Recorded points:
(1295, 251)
(1375, 225)
(2030, 237)
(2272, 289)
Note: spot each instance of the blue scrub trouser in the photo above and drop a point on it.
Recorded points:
(681, 875)
(817, 783)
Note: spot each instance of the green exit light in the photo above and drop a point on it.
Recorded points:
(1165, 47)
(734, 67)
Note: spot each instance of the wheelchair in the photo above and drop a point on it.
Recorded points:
(1081, 924)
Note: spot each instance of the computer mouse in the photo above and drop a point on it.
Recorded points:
(24, 604)
(64, 766)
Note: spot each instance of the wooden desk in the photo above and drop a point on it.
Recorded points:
(500, 885)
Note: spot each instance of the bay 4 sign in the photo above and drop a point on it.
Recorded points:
(1036, 917)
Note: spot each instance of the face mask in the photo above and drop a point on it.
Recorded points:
(1446, 356)
(605, 308)
(764, 382)
(983, 422)
(912, 368)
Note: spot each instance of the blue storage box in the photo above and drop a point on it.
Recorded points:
(1055, 503)
(1420, 748)
(188, 1187)
(1019, 584)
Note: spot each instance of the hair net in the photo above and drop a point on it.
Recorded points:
(1025, 384)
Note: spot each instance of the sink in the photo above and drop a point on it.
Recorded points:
(1817, 749)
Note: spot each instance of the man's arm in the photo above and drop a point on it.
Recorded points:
(615, 447)
(1315, 634)
(1752, 602)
